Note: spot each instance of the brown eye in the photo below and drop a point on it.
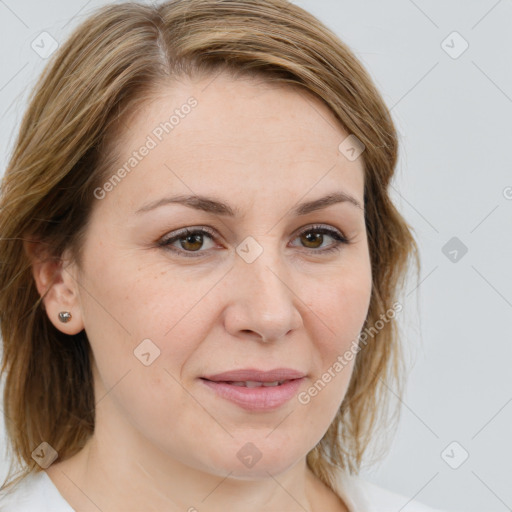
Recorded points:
(312, 240)
(314, 237)
(190, 241)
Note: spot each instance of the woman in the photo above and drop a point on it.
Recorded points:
(200, 267)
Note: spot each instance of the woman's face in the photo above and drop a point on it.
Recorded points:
(262, 288)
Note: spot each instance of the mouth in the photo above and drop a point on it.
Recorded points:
(255, 395)
(253, 383)
(259, 376)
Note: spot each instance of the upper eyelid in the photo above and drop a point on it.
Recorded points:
(211, 232)
(183, 232)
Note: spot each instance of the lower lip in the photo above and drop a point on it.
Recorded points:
(263, 398)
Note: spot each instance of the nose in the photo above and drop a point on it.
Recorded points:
(262, 304)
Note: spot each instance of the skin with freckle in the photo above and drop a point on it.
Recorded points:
(262, 149)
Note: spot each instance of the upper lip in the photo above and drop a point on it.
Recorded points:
(245, 374)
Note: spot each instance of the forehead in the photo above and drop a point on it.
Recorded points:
(216, 134)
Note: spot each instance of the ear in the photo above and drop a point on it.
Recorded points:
(56, 282)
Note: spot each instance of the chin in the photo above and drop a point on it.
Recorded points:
(255, 459)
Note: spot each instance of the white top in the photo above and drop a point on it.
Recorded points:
(37, 493)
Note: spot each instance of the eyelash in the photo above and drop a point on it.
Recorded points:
(166, 242)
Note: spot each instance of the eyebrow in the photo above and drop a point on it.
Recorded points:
(212, 205)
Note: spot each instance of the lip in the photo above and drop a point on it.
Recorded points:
(258, 399)
(245, 374)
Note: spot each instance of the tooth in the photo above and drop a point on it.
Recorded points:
(255, 384)
(252, 384)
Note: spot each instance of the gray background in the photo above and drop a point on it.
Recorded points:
(454, 179)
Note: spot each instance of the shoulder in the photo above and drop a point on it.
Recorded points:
(390, 501)
(361, 494)
(34, 493)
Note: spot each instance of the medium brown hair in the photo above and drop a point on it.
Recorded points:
(111, 63)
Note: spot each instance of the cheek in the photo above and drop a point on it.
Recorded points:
(148, 318)
(338, 314)
(341, 309)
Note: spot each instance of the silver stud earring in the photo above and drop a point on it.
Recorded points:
(64, 316)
